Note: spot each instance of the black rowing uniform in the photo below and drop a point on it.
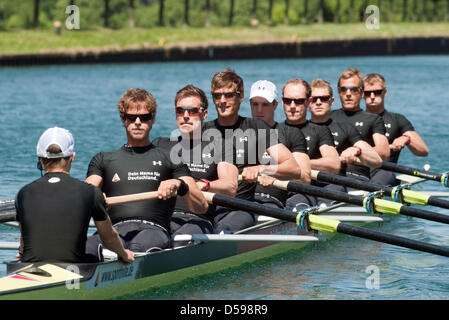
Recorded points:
(293, 138)
(202, 164)
(135, 170)
(243, 144)
(345, 135)
(395, 125)
(54, 213)
(367, 124)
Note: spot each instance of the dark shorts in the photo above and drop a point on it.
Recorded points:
(232, 220)
(189, 223)
(383, 177)
(136, 235)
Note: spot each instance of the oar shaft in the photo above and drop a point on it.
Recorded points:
(392, 239)
(131, 198)
(390, 166)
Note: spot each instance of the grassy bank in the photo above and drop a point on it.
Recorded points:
(34, 41)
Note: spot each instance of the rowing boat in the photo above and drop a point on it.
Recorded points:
(202, 254)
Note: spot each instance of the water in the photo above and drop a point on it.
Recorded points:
(84, 100)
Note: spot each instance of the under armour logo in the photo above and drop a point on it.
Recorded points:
(359, 124)
(335, 134)
(159, 163)
(207, 155)
(336, 143)
(308, 138)
(387, 125)
(244, 139)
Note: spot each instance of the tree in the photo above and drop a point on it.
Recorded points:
(337, 12)
(231, 12)
(106, 14)
(306, 12)
(161, 13)
(36, 14)
(270, 12)
(186, 12)
(287, 8)
(415, 11)
(207, 13)
(132, 22)
(404, 10)
(320, 11)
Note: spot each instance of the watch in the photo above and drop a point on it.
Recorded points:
(207, 186)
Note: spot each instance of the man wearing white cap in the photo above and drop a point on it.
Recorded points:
(54, 211)
(263, 101)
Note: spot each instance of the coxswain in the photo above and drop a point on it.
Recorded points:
(54, 211)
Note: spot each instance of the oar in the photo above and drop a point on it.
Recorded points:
(8, 211)
(370, 203)
(440, 177)
(308, 221)
(398, 193)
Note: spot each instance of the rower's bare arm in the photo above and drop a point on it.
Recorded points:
(194, 199)
(287, 168)
(329, 161)
(417, 145)
(381, 146)
(303, 161)
(227, 181)
(368, 156)
(111, 240)
(95, 180)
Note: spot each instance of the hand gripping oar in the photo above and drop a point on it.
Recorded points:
(440, 177)
(308, 221)
(398, 193)
(9, 210)
(370, 203)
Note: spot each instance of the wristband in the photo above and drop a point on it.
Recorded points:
(207, 186)
(359, 151)
(183, 188)
(409, 139)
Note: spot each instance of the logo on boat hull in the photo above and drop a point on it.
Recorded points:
(110, 274)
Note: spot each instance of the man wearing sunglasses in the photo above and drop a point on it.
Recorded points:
(320, 144)
(207, 168)
(399, 131)
(263, 101)
(370, 126)
(244, 141)
(348, 141)
(138, 167)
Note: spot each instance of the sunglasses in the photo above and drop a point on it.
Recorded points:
(193, 111)
(298, 101)
(227, 95)
(143, 117)
(376, 92)
(352, 89)
(322, 98)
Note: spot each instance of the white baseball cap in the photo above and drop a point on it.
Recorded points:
(59, 136)
(265, 89)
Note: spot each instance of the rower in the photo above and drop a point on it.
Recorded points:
(263, 101)
(243, 142)
(54, 211)
(210, 172)
(399, 131)
(348, 141)
(137, 167)
(370, 126)
(320, 144)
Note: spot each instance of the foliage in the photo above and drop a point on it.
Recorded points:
(20, 14)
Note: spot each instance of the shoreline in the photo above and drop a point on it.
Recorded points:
(237, 50)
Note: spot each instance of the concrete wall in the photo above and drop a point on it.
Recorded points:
(253, 50)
